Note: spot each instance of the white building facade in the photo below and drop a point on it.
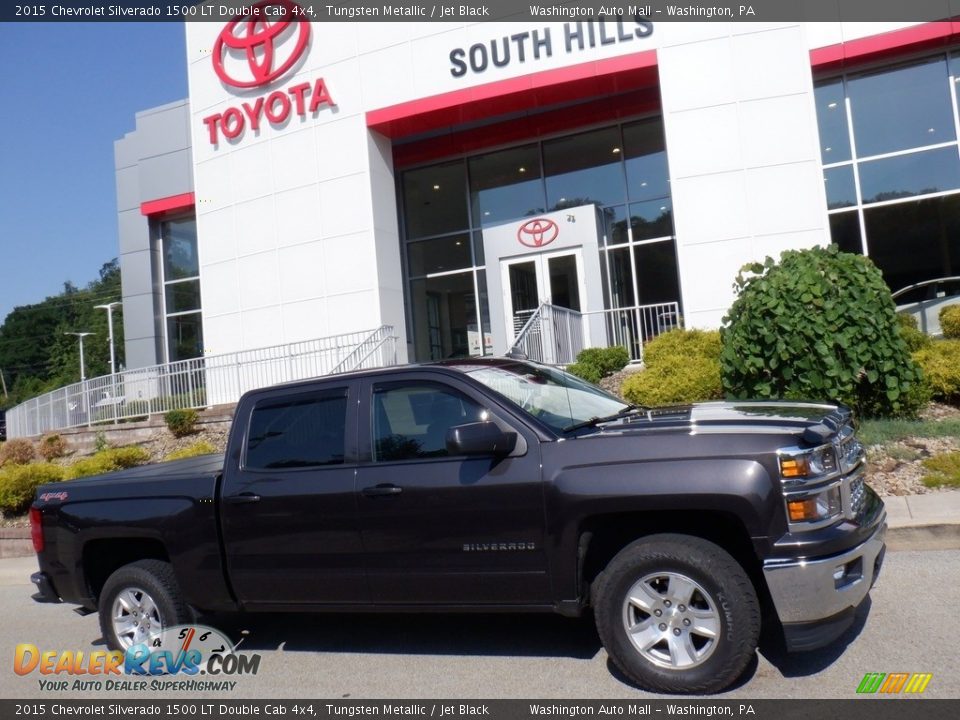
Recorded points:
(447, 179)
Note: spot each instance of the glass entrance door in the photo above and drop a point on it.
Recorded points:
(528, 281)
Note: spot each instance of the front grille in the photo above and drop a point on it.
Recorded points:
(858, 495)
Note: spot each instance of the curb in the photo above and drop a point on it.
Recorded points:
(15, 542)
(935, 536)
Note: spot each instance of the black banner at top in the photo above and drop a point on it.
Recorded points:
(471, 11)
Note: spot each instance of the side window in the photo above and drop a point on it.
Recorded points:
(298, 431)
(410, 420)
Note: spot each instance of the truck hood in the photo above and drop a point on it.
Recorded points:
(738, 416)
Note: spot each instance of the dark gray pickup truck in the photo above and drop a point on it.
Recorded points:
(479, 485)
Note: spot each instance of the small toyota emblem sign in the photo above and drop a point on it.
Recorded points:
(255, 34)
(537, 232)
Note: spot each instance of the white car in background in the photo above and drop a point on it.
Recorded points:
(925, 300)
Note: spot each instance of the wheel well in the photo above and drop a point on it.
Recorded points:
(604, 536)
(102, 557)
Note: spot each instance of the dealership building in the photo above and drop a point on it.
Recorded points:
(448, 180)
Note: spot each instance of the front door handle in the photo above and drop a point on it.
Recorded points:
(382, 489)
(243, 498)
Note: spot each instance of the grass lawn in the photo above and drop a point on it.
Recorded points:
(881, 432)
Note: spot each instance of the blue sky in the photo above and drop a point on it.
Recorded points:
(69, 90)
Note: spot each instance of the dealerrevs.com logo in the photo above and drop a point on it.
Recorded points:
(186, 658)
(255, 38)
(253, 50)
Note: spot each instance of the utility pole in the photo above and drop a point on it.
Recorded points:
(3, 381)
(83, 369)
(109, 308)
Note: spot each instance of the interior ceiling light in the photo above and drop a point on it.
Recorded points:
(436, 187)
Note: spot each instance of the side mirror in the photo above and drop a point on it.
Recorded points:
(480, 438)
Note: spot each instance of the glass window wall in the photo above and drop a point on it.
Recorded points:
(888, 142)
(181, 289)
(622, 169)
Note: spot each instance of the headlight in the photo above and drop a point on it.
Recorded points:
(812, 508)
(818, 462)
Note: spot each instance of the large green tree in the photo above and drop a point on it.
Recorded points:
(35, 353)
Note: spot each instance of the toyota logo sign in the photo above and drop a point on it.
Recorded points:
(537, 232)
(255, 33)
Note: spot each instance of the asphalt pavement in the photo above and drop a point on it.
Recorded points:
(909, 626)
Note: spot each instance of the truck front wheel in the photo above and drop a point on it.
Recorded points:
(139, 600)
(677, 614)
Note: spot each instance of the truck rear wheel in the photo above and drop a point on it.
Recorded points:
(677, 614)
(139, 600)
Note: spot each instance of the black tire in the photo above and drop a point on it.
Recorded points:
(153, 577)
(724, 589)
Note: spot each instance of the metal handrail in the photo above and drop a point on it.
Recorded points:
(197, 382)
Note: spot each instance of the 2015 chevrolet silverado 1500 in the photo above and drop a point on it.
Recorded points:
(483, 484)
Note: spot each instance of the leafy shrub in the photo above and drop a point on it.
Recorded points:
(694, 380)
(594, 364)
(108, 461)
(940, 363)
(52, 446)
(181, 422)
(671, 347)
(950, 321)
(18, 483)
(17, 452)
(100, 441)
(819, 325)
(682, 366)
(201, 447)
(913, 336)
(944, 470)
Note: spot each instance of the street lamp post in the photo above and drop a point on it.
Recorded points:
(109, 308)
(83, 369)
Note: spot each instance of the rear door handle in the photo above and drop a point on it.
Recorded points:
(382, 489)
(243, 498)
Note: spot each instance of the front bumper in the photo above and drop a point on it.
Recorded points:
(815, 598)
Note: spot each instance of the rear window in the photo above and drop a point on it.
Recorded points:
(298, 431)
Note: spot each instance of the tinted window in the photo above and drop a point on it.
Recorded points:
(901, 108)
(832, 122)
(914, 174)
(506, 185)
(435, 199)
(410, 420)
(300, 431)
(583, 169)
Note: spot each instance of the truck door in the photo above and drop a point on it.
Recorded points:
(442, 529)
(288, 502)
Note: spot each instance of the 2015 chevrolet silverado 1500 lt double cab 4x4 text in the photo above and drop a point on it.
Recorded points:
(484, 484)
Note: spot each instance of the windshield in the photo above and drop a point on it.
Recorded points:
(554, 397)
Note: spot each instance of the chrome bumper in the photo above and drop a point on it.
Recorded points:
(806, 591)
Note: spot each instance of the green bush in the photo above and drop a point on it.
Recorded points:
(671, 347)
(819, 325)
(100, 441)
(18, 484)
(594, 364)
(52, 447)
(201, 447)
(181, 422)
(913, 336)
(940, 363)
(108, 461)
(682, 366)
(17, 452)
(950, 321)
(696, 379)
